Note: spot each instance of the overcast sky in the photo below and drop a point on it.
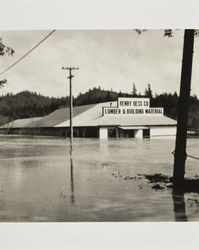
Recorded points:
(110, 59)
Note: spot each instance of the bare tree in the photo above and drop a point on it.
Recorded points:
(5, 50)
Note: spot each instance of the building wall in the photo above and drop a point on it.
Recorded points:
(90, 132)
(138, 133)
(162, 131)
(103, 133)
(36, 131)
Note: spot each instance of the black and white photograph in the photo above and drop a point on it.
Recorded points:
(99, 125)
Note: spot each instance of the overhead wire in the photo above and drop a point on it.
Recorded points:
(130, 53)
(46, 37)
(27, 53)
(187, 155)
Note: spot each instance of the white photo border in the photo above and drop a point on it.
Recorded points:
(96, 14)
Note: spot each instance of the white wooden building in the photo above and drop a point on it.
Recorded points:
(126, 118)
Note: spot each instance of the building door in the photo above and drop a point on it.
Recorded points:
(130, 133)
(146, 133)
(126, 133)
(112, 132)
(91, 132)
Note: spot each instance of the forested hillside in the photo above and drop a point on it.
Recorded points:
(29, 104)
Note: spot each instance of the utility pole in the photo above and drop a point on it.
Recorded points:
(71, 100)
(183, 107)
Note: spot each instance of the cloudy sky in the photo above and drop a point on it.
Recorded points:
(110, 59)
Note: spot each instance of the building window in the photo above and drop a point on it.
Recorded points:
(112, 132)
(146, 133)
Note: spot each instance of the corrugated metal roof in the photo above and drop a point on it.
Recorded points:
(137, 120)
(51, 120)
(61, 115)
(23, 123)
(132, 127)
(91, 115)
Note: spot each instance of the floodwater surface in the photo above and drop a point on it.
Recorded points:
(41, 181)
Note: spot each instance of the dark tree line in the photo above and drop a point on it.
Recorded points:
(147, 92)
(30, 104)
(169, 102)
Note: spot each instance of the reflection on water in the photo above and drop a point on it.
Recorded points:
(179, 206)
(42, 181)
(71, 174)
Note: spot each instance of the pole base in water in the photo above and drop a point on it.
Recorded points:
(178, 185)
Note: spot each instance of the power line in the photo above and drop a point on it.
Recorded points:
(129, 54)
(12, 65)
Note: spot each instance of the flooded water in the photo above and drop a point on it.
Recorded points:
(39, 181)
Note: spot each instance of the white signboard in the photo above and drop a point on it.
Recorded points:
(132, 106)
(133, 102)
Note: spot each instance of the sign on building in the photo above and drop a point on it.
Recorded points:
(132, 106)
